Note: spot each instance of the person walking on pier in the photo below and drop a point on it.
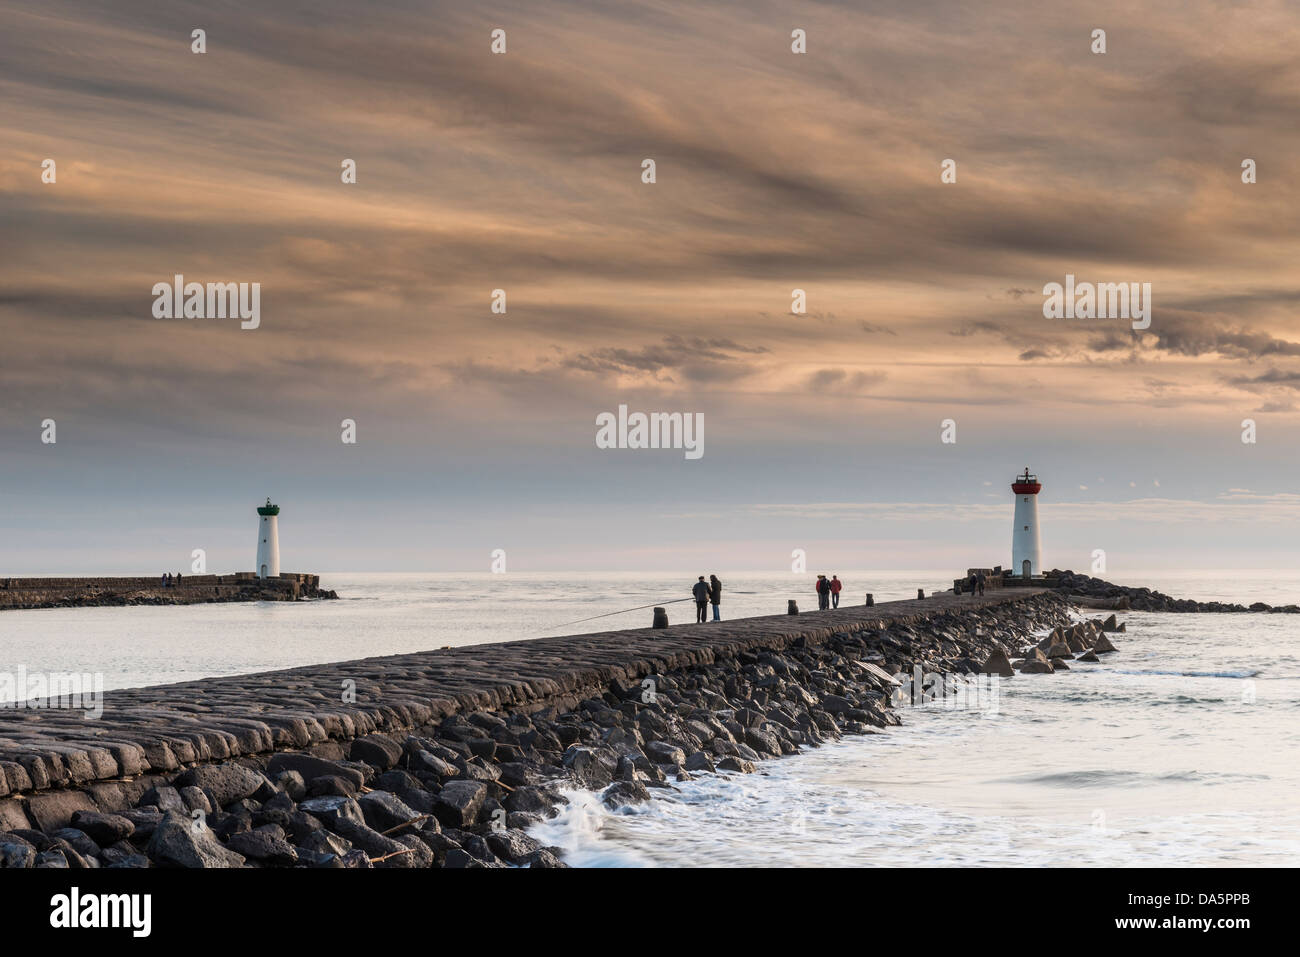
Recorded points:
(836, 585)
(980, 581)
(973, 584)
(823, 593)
(701, 593)
(715, 596)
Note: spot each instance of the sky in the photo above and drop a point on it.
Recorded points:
(523, 171)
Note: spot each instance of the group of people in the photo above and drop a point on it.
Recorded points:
(976, 583)
(707, 593)
(828, 592)
(169, 580)
(710, 593)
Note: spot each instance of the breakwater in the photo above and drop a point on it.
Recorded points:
(1098, 593)
(188, 590)
(448, 757)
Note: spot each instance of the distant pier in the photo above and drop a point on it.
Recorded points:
(188, 590)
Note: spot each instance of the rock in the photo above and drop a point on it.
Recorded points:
(396, 781)
(104, 829)
(623, 793)
(513, 846)
(528, 800)
(699, 761)
(427, 761)
(12, 816)
(1031, 666)
(310, 766)
(51, 810)
(545, 858)
(163, 797)
(227, 783)
(292, 784)
(324, 843)
(332, 810)
(459, 802)
(279, 810)
(763, 742)
(998, 663)
(518, 774)
(195, 799)
(1058, 649)
(332, 785)
(263, 844)
(739, 765)
(837, 704)
(384, 810)
(376, 846)
(16, 854)
(421, 855)
(661, 752)
(176, 843)
(145, 820)
(1103, 645)
(458, 858)
(377, 751)
(593, 768)
(120, 853)
(1088, 655)
(1110, 624)
(79, 840)
(521, 821)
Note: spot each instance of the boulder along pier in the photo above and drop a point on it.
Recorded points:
(449, 757)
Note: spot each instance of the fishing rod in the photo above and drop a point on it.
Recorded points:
(672, 601)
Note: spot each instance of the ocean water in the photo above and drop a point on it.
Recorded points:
(1179, 750)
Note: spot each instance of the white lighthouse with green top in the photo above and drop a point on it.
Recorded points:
(268, 541)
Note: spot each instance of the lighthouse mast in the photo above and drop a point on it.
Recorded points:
(268, 541)
(1026, 549)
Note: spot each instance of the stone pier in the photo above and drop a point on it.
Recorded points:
(159, 730)
(190, 590)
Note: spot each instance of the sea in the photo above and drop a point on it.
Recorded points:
(1183, 749)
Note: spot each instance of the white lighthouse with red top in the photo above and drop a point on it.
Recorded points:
(1026, 549)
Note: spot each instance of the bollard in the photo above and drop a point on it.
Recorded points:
(661, 618)
(792, 608)
(920, 593)
(870, 600)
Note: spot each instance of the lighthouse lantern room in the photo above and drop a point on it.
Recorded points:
(1026, 549)
(268, 541)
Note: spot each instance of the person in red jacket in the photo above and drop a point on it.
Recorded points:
(836, 585)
